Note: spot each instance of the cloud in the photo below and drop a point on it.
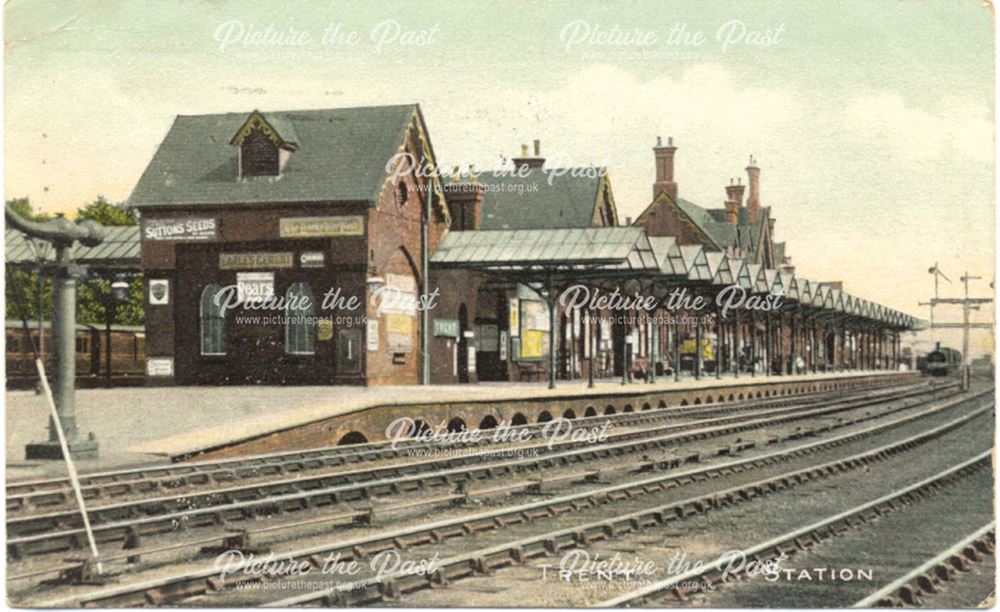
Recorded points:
(961, 128)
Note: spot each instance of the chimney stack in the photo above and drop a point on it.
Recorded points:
(664, 156)
(753, 198)
(530, 162)
(734, 200)
(465, 201)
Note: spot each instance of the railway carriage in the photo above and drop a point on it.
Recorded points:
(128, 354)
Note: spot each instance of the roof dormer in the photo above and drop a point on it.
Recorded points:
(263, 149)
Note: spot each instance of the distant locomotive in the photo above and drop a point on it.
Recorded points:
(128, 355)
(943, 361)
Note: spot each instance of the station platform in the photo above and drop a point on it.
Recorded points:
(148, 425)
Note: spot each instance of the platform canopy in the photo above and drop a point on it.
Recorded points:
(118, 252)
(604, 251)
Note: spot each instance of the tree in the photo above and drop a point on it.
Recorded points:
(106, 213)
(93, 297)
(22, 285)
(92, 291)
(22, 206)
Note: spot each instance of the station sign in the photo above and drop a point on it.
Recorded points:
(255, 261)
(179, 229)
(321, 227)
(160, 366)
(312, 259)
(446, 328)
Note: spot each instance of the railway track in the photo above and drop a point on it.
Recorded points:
(27, 495)
(178, 588)
(928, 584)
(49, 532)
(909, 507)
(475, 564)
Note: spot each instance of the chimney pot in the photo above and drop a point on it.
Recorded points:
(670, 141)
(538, 148)
(524, 150)
(659, 141)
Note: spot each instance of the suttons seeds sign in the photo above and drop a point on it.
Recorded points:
(179, 229)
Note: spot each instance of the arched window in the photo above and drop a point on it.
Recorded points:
(300, 322)
(213, 322)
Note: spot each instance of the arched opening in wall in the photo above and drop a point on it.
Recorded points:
(709, 400)
(628, 408)
(663, 404)
(741, 397)
(758, 395)
(544, 416)
(569, 414)
(488, 422)
(591, 411)
(646, 406)
(697, 401)
(684, 402)
(766, 394)
(354, 437)
(731, 397)
(456, 424)
(518, 419)
(609, 410)
(419, 428)
(722, 398)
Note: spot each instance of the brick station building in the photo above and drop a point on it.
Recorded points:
(250, 207)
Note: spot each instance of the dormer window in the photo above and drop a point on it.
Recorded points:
(258, 155)
(263, 151)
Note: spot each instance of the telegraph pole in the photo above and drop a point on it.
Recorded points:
(968, 304)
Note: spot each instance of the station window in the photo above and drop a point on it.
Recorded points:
(300, 321)
(82, 344)
(213, 322)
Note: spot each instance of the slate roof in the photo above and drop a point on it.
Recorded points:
(120, 249)
(712, 222)
(341, 157)
(721, 233)
(563, 248)
(544, 199)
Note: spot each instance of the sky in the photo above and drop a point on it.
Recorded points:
(872, 123)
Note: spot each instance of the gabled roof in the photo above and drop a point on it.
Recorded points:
(543, 199)
(696, 262)
(741, 272)
(341, 157)
(721, 234)
(668, 255)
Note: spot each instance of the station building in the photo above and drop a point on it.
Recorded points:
(255, 208)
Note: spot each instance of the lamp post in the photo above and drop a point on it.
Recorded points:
(117, 295)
